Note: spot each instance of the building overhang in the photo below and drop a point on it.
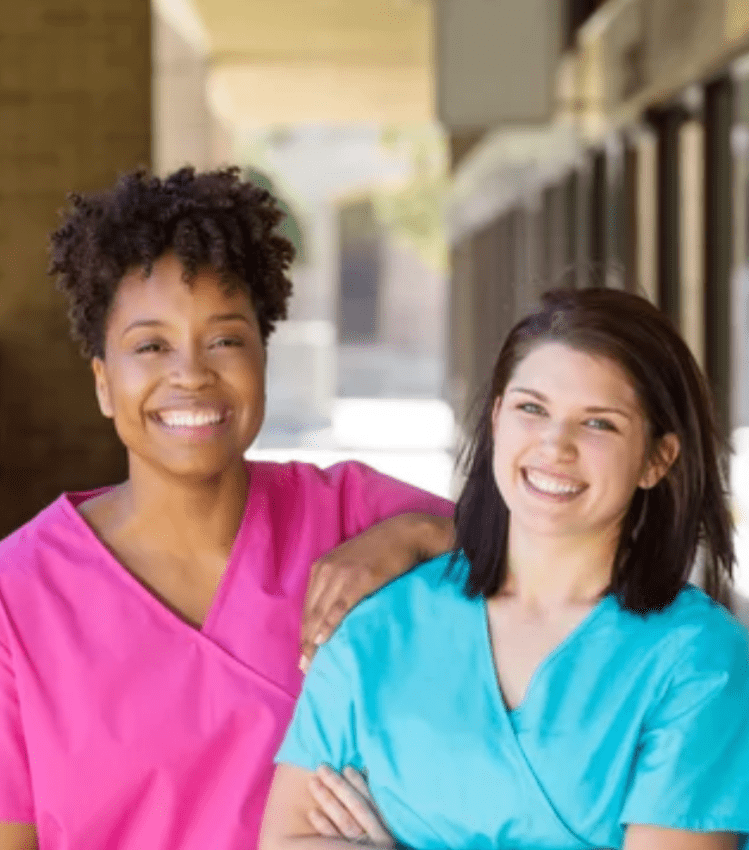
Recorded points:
(290, 62)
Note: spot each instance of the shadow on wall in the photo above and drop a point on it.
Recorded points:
(52, 435)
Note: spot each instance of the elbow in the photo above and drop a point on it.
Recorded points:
(273, 836)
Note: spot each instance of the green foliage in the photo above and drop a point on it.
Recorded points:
(290, 226)
(414, 211)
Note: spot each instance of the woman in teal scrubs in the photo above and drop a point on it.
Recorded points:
(557, 683)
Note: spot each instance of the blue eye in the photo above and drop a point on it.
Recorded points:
(531, 407)
(601, 424)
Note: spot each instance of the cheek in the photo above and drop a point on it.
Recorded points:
(623, 462)
(508, 443)
(244, 364)
(512, 434)
(248, 376)
(130, 387)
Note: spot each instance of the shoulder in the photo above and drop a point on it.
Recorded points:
(298, 485)
(434, 582)
(427, 601)
(297, 475)
(19, 549)
(357, 493)
(694, 635)
(693, 616)
(708, 636)
(694, 619)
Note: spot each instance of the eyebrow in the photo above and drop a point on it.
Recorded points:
(157, 323)
(229, 317)
(592, 409)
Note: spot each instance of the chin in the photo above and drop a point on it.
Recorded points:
(199, 470)
(536, 522)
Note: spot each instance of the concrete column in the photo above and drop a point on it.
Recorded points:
(668, 123)
(74, 113)
(185, 131)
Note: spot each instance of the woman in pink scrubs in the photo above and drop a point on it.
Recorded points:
(150, 631)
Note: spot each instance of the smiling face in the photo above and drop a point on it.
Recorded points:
(183, 373)
(571, 444)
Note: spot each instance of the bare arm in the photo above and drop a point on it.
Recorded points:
(365, 563)
(644, 837)
(286, 824)
(18, 836)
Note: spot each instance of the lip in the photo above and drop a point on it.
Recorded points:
(207, 430)
(560, 477)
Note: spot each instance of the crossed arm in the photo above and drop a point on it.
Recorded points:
(297, 817)
(337, 812)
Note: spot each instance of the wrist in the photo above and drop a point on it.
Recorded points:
(430, 535)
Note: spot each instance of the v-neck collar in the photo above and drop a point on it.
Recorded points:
(487, 651)
(70, 503)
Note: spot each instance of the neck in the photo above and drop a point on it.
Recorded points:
(550, 571)
(184, 514)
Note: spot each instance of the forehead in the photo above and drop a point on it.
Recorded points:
(165, 290)
(556, 369)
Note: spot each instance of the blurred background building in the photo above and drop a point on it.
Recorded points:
(441, 162)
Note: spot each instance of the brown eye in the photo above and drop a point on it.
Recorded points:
(228, 342)
(149, 347)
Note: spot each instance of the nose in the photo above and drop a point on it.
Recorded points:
(558, 440)
(189, 369)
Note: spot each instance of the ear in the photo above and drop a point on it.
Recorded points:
(495, 411)
(664, 454)
(101, 383)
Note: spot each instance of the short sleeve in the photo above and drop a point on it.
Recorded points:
(16, 801)
(322, 730)
(692, 767)
(369, 496)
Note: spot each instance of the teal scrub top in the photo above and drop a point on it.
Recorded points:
(629, 720)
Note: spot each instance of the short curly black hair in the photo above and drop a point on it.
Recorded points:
(212, 219)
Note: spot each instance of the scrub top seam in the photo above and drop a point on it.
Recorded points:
(227, 579)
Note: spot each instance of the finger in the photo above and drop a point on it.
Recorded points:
(321, 576)
(316, 582)
(308, 648)
(372, 821)
(322, 824)
(357, 780)
(361, 808)
(335, 810)
(322, 633)
(304, 661)
(336, 605)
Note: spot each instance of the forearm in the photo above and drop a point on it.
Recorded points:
(646, 837)
(317, 842)
(425, 535)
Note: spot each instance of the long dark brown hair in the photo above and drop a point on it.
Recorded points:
(665, 525)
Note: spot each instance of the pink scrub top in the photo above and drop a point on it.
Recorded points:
(121, 726)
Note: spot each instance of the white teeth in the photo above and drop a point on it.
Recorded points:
(184, 419)
(553, 486)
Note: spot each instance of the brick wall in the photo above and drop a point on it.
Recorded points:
(75, 83)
